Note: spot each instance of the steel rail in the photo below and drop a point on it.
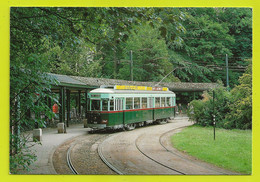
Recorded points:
(100, 153)
(158, 162)
(174, 153)
(69, 162)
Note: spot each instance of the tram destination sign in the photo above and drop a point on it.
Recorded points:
(95, 95)
(132, 87)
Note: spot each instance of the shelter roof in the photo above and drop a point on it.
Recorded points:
(65, 80)
(88, 82)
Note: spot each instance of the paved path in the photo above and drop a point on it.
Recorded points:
(51, 139)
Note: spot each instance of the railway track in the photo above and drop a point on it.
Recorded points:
(151, 153)
(190, 159)
(111, 166)
(79, 156)
(142, 152)
(155, 160)
(69, 162)
(92, 161)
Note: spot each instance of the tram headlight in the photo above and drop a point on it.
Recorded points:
(104, 121)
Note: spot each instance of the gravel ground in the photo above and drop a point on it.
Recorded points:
(143, 151)
(84, 156)
(121, 150)
(59, 158)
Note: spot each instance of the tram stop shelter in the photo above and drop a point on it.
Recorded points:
(79, 86)
(68, 86)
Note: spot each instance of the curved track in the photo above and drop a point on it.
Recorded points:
(114, 168)
(138, 146)
(69, 162)
(126, 155)
(146, 151)
(79, 156)
(166, 144)
(100, 153)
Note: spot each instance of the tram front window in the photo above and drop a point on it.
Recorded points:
(105, 105)
(95, 105)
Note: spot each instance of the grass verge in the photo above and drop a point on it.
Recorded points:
(232, 149)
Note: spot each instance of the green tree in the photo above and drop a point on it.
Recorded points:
(77, 60)
(201, 111)
(61, 40)
(239, 22)
(207, 41)
(232, 109)
(210, 35)
(95, 41)
(150, 55)
(241, 102)
(119, 29)
(29, 90)
(29, 84)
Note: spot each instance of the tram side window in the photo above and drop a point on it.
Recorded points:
(157, 101)
(150, 102)
(119, 104)
(173, 101)
(129, 103)
(168, 101)
(112, 105)
(105, 105)
(144, 103)
(95, 105)
(163, 101)
(137, 103)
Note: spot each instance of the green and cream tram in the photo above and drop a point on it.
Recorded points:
(120, 106)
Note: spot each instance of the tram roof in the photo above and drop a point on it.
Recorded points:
(113, 91)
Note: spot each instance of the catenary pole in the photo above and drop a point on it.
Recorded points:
(214, 120)
(227, 71)
(131, 65)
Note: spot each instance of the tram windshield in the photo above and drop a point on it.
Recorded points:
(105, 105)
(95, 105)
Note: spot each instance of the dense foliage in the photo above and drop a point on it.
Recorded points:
(150, 53)
(210, 36)
(240, 115)
(96, 42)
(232, 109)
(189, 43)
(73, 41)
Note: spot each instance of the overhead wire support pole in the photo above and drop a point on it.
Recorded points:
(214, 120)
(227, 71)
(131, 65)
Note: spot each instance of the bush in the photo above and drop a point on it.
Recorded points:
(201, 111)
(232, 109)
(198, 111)
(30, 87)
(241, 107)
